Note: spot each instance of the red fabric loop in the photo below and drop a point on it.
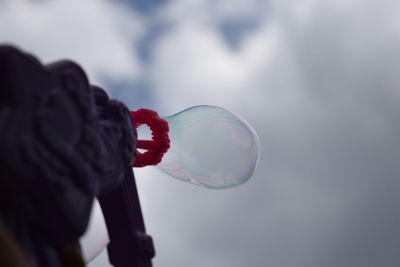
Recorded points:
(159, 145)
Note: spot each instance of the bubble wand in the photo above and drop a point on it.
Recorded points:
(204, 145)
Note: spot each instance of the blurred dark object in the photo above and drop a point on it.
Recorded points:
(10, 253)
(63, 143)
(71, 255)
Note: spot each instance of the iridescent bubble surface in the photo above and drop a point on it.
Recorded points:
(211, 147)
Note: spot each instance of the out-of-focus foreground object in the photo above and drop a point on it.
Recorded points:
(63, 142)
(10, 252)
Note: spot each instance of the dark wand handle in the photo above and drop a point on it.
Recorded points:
(129, 245)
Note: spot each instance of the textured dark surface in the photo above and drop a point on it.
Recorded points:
(63, 142)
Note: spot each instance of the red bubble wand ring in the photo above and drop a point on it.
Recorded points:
(160, 143)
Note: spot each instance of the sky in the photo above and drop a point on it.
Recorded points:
(316, 79)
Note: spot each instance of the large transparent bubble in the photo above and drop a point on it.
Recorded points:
(211, 147)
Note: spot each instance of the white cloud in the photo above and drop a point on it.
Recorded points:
(99, 35)
(193, 63)
(318, 81)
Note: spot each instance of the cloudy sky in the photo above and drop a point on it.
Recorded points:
(318, 80)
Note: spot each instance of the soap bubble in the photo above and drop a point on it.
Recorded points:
(211, 147)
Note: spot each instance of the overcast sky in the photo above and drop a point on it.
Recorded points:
(319, 82)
